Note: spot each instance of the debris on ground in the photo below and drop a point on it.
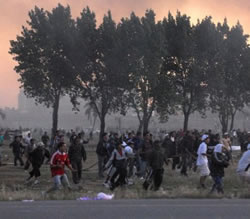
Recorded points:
(100, 196)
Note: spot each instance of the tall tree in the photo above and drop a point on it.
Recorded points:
(43, 53)
(142, 48)
(185, 66)
(228, 93)
(99, 65)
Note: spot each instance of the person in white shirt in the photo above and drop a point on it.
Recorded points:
(243, 170)
(202, 161)
(27, 139)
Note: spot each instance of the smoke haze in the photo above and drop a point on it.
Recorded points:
(14, 13)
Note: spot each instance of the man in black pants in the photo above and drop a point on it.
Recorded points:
(156, 162)
(17, 147)
(37, 157)
(171, 149)
(76, 154)
(102, 153)
(186, 148)
(118, 159)
(28, 149)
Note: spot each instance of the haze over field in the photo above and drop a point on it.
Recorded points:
(14, 13)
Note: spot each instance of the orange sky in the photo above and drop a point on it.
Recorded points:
(14, 13)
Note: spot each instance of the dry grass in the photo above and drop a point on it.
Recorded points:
(174, 185)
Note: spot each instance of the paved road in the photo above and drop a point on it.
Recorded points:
(141, 209)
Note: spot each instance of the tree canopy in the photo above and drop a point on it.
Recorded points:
(164, 67)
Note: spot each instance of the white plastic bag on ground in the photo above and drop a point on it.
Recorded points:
(28, 200)
(103, 196)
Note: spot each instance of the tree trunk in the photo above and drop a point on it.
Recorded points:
(232, 120)
(224, 127)
(93, 126)
(145, 125)
(55, 116)
(186, 119)
(119, 124)
(102, 125)
(140, 126)
(224, 123)
(145, 119)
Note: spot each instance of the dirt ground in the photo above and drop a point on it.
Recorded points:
(13, 187)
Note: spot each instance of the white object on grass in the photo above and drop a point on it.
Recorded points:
(236, 148)
(103, 196)
(26, 200)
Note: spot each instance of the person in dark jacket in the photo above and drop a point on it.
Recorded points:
(28, 149)
(219, 161)
(113, 140)
(76, 154)
(137, 146)
(72, 136)
(156, 162)
(102, 154)
(119, 160)
(17, 147)
(171, 149)
(45, 139)
(37, 157)
(244, 141)
(186, 149)
(144, 151)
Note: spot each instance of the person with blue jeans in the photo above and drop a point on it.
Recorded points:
(57, 163)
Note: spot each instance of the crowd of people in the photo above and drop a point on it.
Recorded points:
(121, 158)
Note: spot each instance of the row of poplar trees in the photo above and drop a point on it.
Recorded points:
(167, 67)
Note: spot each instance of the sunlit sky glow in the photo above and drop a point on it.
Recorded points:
(14, 13)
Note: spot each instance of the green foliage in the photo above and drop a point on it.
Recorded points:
(43, 53)
(143, 49)
(185, 66)
(228, 74)
(99, 65)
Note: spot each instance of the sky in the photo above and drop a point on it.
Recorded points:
(14, 14)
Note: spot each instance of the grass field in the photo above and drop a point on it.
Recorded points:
(12, 184)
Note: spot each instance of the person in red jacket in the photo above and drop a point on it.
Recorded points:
(57, 163)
